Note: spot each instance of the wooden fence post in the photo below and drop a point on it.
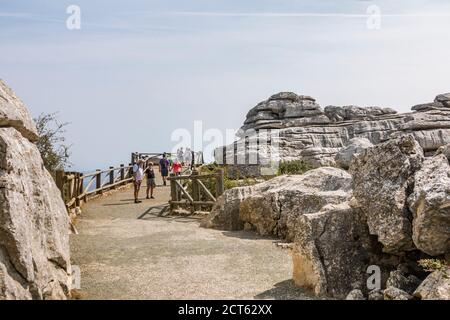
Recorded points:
(80, 189)
(122, 172)
(111, 176)
(130, 170)
(98, 184)
(59, 179)
(173, 192)
(195, 191)
(219, 183)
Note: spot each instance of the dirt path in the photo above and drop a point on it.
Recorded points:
(128, 251)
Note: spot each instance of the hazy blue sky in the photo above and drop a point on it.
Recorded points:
(137, 70)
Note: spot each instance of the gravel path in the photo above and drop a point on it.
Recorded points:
(130, 251)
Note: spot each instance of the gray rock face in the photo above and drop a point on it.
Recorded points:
(355, 146)
(355, 294)
(392, 293)
(444, 99)
(407, 283)
(13, 113)
(382, 178)
(272, 207)
(338, 114)
(376, 294)
(329, 254)
(435, 287)
(308, 132)
(430, 204)
(34, 225)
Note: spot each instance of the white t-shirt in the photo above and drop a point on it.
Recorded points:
(138, 172)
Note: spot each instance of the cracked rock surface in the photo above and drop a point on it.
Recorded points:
(34, 225)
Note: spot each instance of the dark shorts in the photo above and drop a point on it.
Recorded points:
(164, 172)
(151, 182)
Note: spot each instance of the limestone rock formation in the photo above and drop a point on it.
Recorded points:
(390, 209)
(329, 254)
(407, 283)
(355, 146)
(430, 204)
(392, 293)
(273, 207)
(13, 113)
(382, 178)
(355, 294)
(34, 225)
(435, 287)
(306, 131)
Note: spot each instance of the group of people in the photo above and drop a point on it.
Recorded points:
(144, 168)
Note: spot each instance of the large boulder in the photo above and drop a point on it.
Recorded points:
(435, 287)
(330, 253)
(34, 225)
(272, 207)
(430, 204)
(444, 99)
(355, 146)
(13, 113)
(407, 283)
(382, 179)
(392, 293)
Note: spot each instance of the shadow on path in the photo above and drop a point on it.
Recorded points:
(248, 235)
(286, 290)
(159, 211)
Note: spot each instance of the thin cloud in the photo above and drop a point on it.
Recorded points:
(301, 14)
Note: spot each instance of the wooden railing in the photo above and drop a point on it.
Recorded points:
(76, 188)
(190, 191)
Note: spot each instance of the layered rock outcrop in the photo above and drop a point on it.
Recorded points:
(34, 225)
(306, 131)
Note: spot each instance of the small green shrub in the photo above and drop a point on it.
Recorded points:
(294, 167)
(431, 265)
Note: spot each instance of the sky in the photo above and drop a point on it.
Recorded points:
(138, 70)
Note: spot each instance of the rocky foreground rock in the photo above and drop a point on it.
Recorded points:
(34, 225)
(388, 211)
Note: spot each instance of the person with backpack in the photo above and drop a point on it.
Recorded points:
(164, 167)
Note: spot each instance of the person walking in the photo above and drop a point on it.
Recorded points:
(151, 183)
(138, 174)
(164, 167)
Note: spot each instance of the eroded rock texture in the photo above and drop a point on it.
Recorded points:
(390, 209)
(316, 135)
(382, 179)
(430, 204)
(34, 225)
(329, 237)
